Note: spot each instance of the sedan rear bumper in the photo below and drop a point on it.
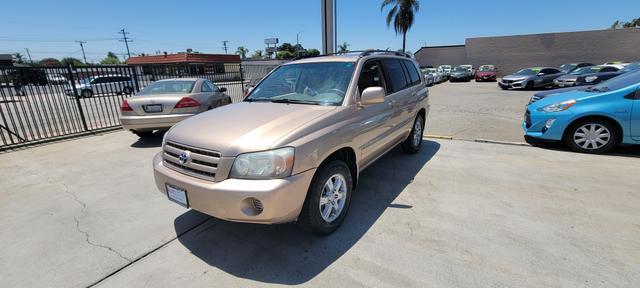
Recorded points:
(142, 123)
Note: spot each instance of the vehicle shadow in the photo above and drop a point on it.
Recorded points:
(619, 151)
(149, 142)
(285, 254)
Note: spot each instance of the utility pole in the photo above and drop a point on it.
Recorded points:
(298, 43)
(126, 41)
(28, 55)
(82, 47)
(224, 46)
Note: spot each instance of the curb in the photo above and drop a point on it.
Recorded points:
(438, 137)
(502, 142)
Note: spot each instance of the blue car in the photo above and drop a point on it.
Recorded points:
(592, 120)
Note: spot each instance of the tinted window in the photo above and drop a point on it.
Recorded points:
(413, 73)
(530, 71)
(394, 75)
(609, 69)
(371, 76)
(206, 88)
(549, 71)
(619, 82)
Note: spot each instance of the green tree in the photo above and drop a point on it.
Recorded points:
(287, 47)
(242, 52)
(285, 54)
(343, 48)
(18, 58)
(616, 25)
(312, 52)
(620, 24)
(401, 15)
(49, 62)
(111, 59)
(72, 61)
(257, 54)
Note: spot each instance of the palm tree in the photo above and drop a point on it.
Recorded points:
(343, 48)
(401, 14)
(257, 54)
(242, 52)
(616, 25)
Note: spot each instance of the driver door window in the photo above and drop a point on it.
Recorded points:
(371, 76)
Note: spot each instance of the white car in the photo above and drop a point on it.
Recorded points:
(446, 70)
(57, 79)
(103, 85)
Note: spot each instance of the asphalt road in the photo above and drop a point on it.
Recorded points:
(458, 214)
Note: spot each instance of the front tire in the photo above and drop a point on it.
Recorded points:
(592, 136)
(413, 143)
(127, 90)
(86, 93)
(328, 198)
(529, 86)
(143, 134)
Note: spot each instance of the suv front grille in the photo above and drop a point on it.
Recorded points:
(199, 163)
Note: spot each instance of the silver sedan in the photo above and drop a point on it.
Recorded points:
(164, 103)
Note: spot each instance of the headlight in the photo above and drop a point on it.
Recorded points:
(276, 163)
(558, 106)
(590, 79)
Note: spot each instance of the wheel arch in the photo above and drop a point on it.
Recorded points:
(348, 155)
(617, 125)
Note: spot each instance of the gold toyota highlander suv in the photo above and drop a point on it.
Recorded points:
(293, 149)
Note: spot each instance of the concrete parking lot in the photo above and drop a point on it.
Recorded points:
(85, 212)
(471, 110)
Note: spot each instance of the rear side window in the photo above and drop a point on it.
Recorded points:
(609, 69)
(394, 74)
(205, 87)
(413, 73)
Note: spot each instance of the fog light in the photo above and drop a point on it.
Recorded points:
(549, 123)
(252, 206)
(257, 204)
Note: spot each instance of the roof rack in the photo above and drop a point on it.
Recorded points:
(361, 53)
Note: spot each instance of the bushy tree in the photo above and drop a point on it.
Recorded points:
(285, 54)
(287, 47)
(111, 59)
(72, 61)
(50, 62)
(257, 54)
(312, 52)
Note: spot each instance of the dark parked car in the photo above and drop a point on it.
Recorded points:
(486, 73)
(606, 73)
(461, 73)
(26, 76)
(569, 80)
(566, 68)
(530, 78)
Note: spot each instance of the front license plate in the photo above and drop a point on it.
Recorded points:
(177, 195)
(153, 108)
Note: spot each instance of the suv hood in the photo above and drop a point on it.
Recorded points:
(245, 126)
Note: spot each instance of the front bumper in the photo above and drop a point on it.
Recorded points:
(230, 199)
(486, 78)
(535, 128)
(142, 123)
(515, 85)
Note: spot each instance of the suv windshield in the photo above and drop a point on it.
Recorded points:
(307, 83)
(168, 87)
(616, 83)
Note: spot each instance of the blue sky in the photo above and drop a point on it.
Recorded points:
(48, 28)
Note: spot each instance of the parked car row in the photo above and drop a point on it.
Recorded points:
(433, 76)
(567, 75)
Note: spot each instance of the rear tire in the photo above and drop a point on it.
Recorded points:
(143, 134)
(86, 93)
(328, 198)
(592, 136)
(413, 143)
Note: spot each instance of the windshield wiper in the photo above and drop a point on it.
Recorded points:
(295, 101)
(257, 100)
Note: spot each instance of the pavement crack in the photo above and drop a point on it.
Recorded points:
(87, 237)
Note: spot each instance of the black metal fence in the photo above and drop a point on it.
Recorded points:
(49, 103)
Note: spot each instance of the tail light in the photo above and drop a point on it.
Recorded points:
(125, 106)
(187, 102)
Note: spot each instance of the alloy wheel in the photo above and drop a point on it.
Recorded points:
(417, 132)
(333, 197)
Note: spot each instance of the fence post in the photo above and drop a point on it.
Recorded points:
(135, 78)
(75, 95)
(242, 79)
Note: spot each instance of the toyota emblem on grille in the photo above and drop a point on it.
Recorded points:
(184, 157)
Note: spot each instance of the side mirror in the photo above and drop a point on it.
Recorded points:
(222, 89)
(372, 95)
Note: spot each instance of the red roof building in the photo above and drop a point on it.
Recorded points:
(183, 58)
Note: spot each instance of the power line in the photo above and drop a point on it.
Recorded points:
(126, 41)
